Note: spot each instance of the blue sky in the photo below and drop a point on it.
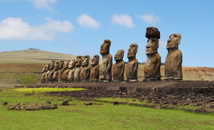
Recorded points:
(80, 27)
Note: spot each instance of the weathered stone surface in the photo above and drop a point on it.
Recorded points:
(85, 70)
(65, 71)
(49, 73)
(94, 75)
(152, 32)
(132, 65)
(106, 62)
(153, 61)
(119, 66)
(71, 67)
(44, 71)
(173, 64)
(77, 69)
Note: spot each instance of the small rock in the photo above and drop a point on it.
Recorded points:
(88, 103)
(64, 103)
(5, 103)
(48, 102)
(116, 103)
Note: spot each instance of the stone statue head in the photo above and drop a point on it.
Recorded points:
(119, 55)
(152, 46)
(95, 60)
(132, 50)
(56, 65)
(52, 65)
(65, 64)
(105, 47)
(78, 61)
(61, 64)
(85, 60)
(71, 64)
(174, 41)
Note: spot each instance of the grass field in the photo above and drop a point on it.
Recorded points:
(95, 117)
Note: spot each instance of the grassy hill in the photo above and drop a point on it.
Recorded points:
(32, 56)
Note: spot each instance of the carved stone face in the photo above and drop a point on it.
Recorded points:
(95, 60)
(174, 41)
(85, 60)
(78, 61)
(152, 46)
(61, 64)
(56, 65)
(119, 55)
(65, 64)
(132, 50)
(104, 49)
(71, 64)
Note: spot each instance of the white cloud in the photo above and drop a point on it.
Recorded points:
(123, 19)
(15, 28)
(149, 18)
(163, 44)
(87, 21)
(43, 4)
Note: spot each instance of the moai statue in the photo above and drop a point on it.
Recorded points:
(94, 75)
(119, 66)
(106, 62)
(77, 69)
(173, 64)
(132, 65)
(44, 71)
(153, 61)
(55, 72)
(60, 70)
(71, 67)
(49, 74)
(85, 70)
(65, 71)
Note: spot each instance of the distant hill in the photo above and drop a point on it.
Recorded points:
(32, 56)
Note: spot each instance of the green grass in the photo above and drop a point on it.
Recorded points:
(40, 90)
(95, 117)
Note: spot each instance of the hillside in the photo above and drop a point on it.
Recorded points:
(32, 56)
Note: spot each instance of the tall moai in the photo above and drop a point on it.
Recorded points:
(94, 75)
(85, 70)
(173, 64)
(132, 65)
(106, 62)
(119, 66)
(71, 67)
(153, 61)
(77, 69)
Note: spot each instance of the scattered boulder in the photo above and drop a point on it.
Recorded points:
(65, 103)
(5, 104)
(116, 103)
(88, 103)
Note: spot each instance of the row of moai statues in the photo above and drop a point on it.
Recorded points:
(79, 70)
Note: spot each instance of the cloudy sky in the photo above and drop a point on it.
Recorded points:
(79, 27)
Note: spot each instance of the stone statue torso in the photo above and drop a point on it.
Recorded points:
(173, 64)
(94, 75)
(85, 73)
(152, 66)
(105, 67)
(118, 71)
(77, 74)
(131, 69)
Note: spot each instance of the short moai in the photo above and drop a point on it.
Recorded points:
(77, 69)
(50, 72)
(55, 72)
(71, 67)
(65, 71)
(44, 72)
(173, 64)
(94, 75)
(85, 70)
(132, 65)
(60, 70)
(106, 62)
(153, 61)
(119, 66)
